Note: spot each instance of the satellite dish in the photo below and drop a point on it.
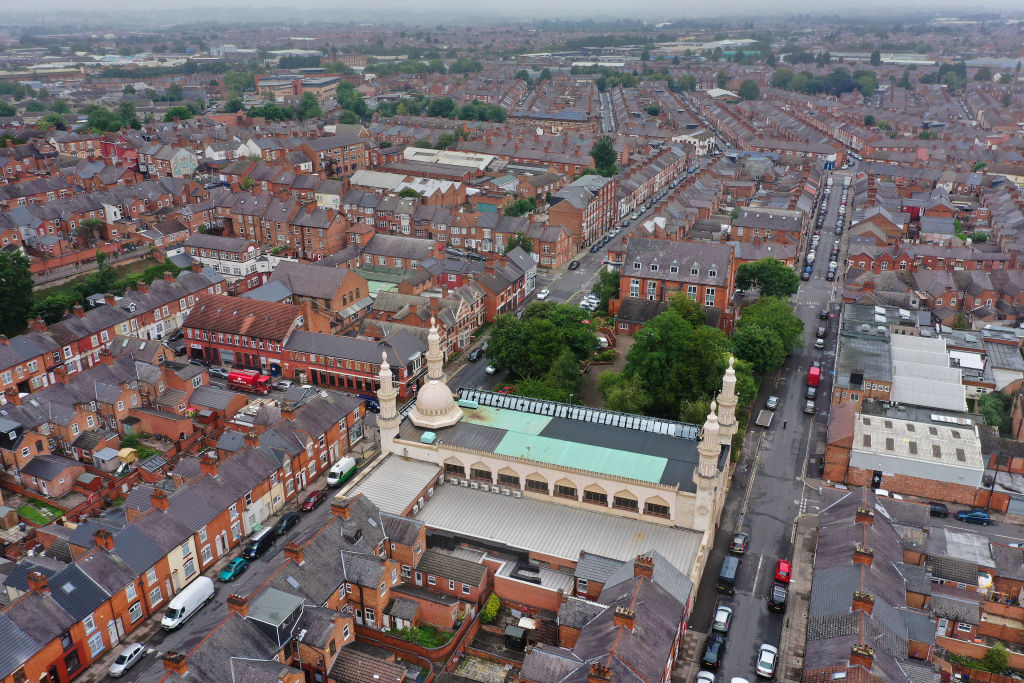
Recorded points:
(540, 131)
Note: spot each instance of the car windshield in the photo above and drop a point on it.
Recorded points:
(121, 658)
(173, 613)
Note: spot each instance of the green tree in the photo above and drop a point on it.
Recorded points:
(997, 659)
(659, 347)
(128, 89)
(652, 109)
(686, 306)
(181, 113)
(490, 610)
(443, 107)
(749, 90)
(983, 74)
(565, 371)
(545, 342)
(523, 75)
(7, 109)
(102, 120)
(869, 120)
(175, 92)
(995, 408)
(34, 106)
(568, 320)
(876, 58)
(233, 105)
(760, 346)
(694, 411)
(60, 107)
(309, 107)
(722, 78)
(606, 287)
(348, 117)
(507, 344)
(127, 115)
(622, 393)
(645, 55)
(545, 75)
(89, 228)
(605, 157)
(246, 184)
(409, 193)
(519, 240)
(774, 314)
(15, 292)
(51, 119)
(770, 276)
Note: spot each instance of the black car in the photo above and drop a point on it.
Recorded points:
(573, 265)
(176, 335)
(286, 523)
(823, 314)
(475, 355)
(938, 510)
(830, 275)
(777, 598)
(714, 651)
(596, 248)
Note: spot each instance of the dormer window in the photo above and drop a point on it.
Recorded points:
(654, 267)
(694, 270)
(636, 265)
(673, 269)
(712, 271)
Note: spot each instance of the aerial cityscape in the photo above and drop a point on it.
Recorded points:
(434, 344)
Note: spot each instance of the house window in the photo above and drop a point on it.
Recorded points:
(963, 627)
(634, 288)
(72, 662)
(346, 632)
(190, 567)
(207, 554)
(155, 596)
(673, 269)
(431, 580)
(383, 589)
(691, 291)
(654, 267)
(135, 612)
(694, 270)
(581, 585)
(465, 589)
(89, 623)
(96, 645)
(406, 571)
(709, 296)
(636, 265)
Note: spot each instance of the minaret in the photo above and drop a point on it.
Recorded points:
(727, 400)
(435, 408)
(387, 396)
(434, 355)
(706, 475)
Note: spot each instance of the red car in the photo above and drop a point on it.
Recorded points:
(314, 500)
(783, 570)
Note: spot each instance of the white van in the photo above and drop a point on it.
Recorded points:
(341, 471)
(187, 602)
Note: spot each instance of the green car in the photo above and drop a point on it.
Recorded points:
(233, 569)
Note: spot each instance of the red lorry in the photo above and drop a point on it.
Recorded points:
(813, 377)
(249, 380)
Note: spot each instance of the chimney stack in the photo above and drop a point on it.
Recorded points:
(37, 582)
(293, 551)
(865, 602)
(862, 655)
(4, 340)
(109, 299)
(106, 358)
(79, 311)
(339, 507)
(865, 516)
(168, 277)
(643, 566)
(239, 604)
(159, 499)
(38, 324)
(175, 662)
(252, 439)
(599, 673)
(863, 555)
(13, 397)
(208, 464)
(142, 287)
(104, 539)
(623, 617)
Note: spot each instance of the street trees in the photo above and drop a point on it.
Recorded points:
(309, 107)
(535, 346)
(774, 314)
(605, 157)
(749, 90)
(770, 276)
(15, 292)
(760, 346)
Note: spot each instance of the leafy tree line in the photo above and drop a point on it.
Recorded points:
(836, 82)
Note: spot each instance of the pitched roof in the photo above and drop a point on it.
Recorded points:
(246, 317)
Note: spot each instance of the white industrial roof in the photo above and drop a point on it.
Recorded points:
(554, 529)
(396, 482)
(923, 376)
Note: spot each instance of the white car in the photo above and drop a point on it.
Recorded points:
(283, 384)
(490, 369)
(128, 658)
(767, 656)
(542, 294)
(705, 677)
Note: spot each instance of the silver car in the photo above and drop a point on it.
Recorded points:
(767, 656)
(128, 658)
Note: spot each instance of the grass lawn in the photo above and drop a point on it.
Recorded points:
(68, 287)
(424, 636)
(40, 512)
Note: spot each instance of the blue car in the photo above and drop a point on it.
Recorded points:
(233, 569)
(974, 517)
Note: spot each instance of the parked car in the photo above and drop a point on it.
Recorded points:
(175, 336)
(286, 523)
(283, 384)
(705, 677)
(595, 248)
(198, 361)
(823, 314)
(777, 597)
(490, 369)
(738, 544)
(767, 655)
(573, 265)
(219, 372)
(772, 403)
(974, 516)
(809, 408)
(812, 393)
(313, 500)
(127, 658)
(783, 570)
(830, 275)
(232, 569)
(714, 650)
(806, 275)
(543, 294)
(938, 510)
(819, 343)
(475, 355)
(722, 619)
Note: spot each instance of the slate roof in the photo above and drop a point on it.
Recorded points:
(577, 612)
(639, 310)
(76, 592)
(305, 279)
(401, 347)
(48, 467)
(596, 568)
(443, 565)
(351, 666)
(18, 647)
(245, 317)
(403, 608)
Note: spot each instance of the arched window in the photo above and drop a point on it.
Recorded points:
(565, 489)
(537, 483)
(480, 472)
(656, 506)
(596, 495)
(624, 500)
(508, 477)
(454, 468)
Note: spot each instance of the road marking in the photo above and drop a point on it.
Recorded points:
(757, 576)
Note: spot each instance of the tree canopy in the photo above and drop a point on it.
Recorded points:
(519, 240)
(533, 346)
(15, 292)
(774, 314)
(605, 157)
(770, 276)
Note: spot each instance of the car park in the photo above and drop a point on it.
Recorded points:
(783, 570)
(714, 650)
(938, 510)
(767, 656)
(232, 569)
(573, 265)
(313, 501)
(777, 596)
(126, 659)
(542, 294)
(772, 403)
(722, 619)
(475, 355)
(974, 516)
(286, 523)
(738, 544)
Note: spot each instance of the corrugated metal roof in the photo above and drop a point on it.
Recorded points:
(396, 482)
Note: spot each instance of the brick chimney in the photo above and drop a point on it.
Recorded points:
(175, 662)
(104, 539)
(13, 397)
(862, 655)
(109, 299)
(159, 499)
(38, 324)
(865, 516)
(37, 582)
(106, 357)
(78, 310)
(141, 287)
(339, 507)
(208, 464)
(252, 439)
(239, 604)
(197, 267)
(293, 551)
(168, 276)
(623, 617)
(599, 673)
(865, 602)
(863, 555)
(4, 340)
(643, 566)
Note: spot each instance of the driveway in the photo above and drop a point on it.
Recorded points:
(589, 395)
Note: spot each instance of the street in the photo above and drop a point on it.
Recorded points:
(768, 490)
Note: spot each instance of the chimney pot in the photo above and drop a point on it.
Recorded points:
(599, 673)
(104, 539)
(239, 604)
(864, 602)
(862, 655)
(168, 276)
(37, 582)
(159, 499)
(863, 555)
(293, 551)
(865, 516)
(79, 311)
(623, 617)
(340, 508)
(175, 662)
(13, 397)
(208, 464)
(252, 439)
(643, 566)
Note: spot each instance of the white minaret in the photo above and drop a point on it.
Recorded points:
(727, 400)
(387, 397)
(706, 476)
(435, 408)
